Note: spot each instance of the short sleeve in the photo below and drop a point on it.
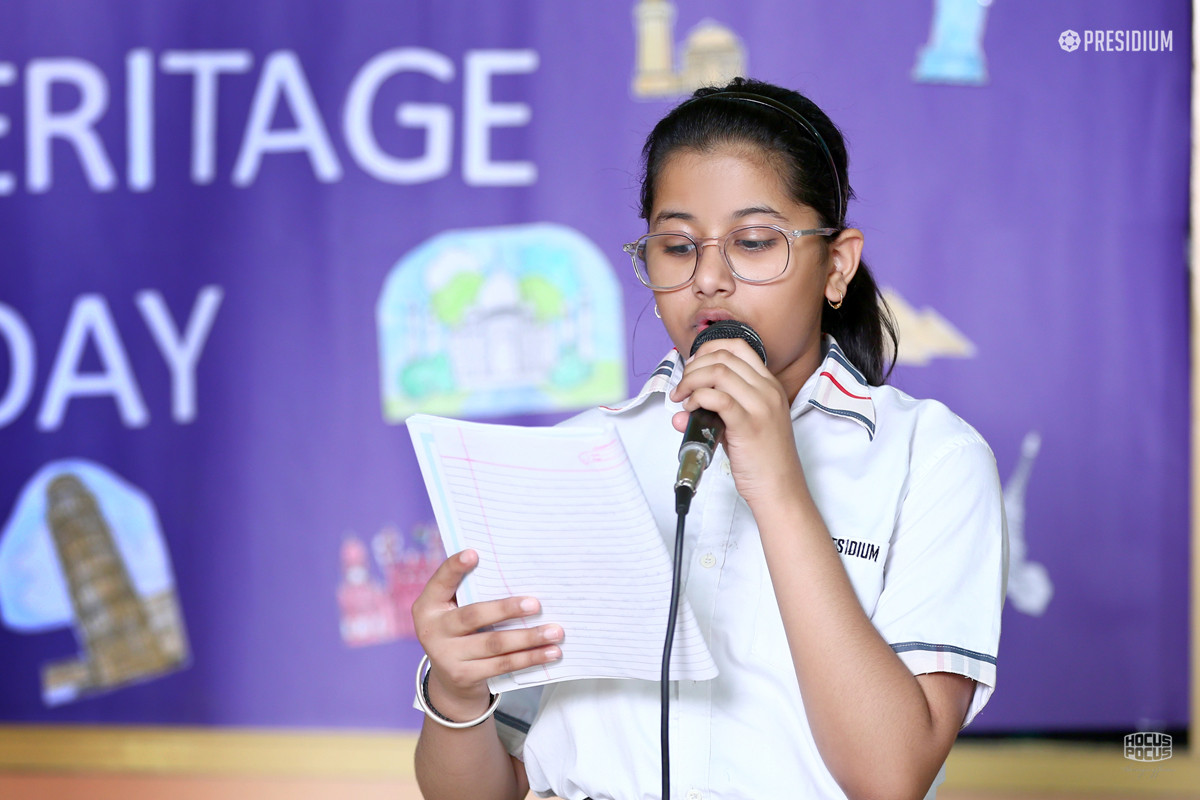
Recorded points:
(944, 579)
(514, 715)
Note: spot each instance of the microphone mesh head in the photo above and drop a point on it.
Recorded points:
(730, 329)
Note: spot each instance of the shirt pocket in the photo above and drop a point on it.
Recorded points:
(863, 561)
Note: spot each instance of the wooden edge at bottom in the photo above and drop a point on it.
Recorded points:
(1062, 766)
(987, 765)
(200, 751)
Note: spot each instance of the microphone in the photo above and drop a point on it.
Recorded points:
(705, 427)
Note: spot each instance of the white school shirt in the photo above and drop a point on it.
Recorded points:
(910, 495)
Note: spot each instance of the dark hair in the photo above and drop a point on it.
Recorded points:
(863, 326)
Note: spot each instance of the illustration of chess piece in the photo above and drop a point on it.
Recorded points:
(113, 624)
(954, 53)
(654, 25)
(1029, 585)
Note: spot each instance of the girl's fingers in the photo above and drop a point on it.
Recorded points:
(470, 618)
(482, 646)
(722, 403)
(722, 370)
(445, 580)
(739, 349)
(482, 669)
(721, 378)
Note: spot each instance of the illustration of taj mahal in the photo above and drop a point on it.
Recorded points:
(711, 55)
(487, 322)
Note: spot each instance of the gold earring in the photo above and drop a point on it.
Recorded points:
(660, 315)
(838, 304)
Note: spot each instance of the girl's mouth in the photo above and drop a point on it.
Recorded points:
(708, 316)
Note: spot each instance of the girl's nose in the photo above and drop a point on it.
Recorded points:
(712, 270)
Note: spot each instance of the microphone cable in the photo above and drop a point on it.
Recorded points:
(704, 430)
(683, 500)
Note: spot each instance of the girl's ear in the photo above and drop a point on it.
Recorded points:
(844, 253)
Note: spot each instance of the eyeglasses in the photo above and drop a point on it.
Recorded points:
(755, 254)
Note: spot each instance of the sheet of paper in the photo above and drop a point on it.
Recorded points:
(558, 514)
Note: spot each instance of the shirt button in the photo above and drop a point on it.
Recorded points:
(725, 467)
(694, 795)
(708, 562)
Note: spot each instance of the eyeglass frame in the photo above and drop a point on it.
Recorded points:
(791, 236)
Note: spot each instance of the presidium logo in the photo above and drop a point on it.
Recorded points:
(1118, 41)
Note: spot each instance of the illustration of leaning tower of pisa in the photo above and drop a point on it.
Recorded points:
(116, 628)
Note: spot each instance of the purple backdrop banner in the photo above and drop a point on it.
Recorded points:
(242, 242)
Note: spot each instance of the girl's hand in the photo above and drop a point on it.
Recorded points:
(462, 656)
(728, 377)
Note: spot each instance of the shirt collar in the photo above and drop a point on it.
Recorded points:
(665, 377)
(837, 387)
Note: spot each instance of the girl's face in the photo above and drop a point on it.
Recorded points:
(709, 194)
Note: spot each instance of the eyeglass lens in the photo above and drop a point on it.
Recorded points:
(669, 259)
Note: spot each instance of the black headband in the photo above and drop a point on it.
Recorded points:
(796, 117)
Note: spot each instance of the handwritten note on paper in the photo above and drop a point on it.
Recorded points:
(558, 514)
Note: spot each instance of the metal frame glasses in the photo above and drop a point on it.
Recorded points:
(637, 250)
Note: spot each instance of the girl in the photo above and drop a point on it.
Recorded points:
(845, 557)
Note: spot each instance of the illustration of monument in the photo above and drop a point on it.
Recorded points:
(1029, 585)
(954, 53)
(710, 56)
(82, 548)
(497, 321)
(373, 611)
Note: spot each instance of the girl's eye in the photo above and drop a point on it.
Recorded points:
(676, 246)
(755, 245)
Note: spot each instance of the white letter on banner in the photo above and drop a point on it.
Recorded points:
(75, 126)
(139, 119)
(8, 76)
(481, 115)
(435, 118)
(205, 67)
(282, 76)
(22, 362)
(90, 320)
(181, 353)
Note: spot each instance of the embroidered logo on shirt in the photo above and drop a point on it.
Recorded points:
(853, 547)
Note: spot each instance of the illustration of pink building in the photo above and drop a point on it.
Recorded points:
(373, 611)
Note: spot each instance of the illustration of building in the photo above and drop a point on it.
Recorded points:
(499, 343)
(124, 637)
(373, 611)
(710, 56)
(366, 615)
(489, 322)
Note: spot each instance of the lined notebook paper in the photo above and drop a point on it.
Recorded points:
(558, 514)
